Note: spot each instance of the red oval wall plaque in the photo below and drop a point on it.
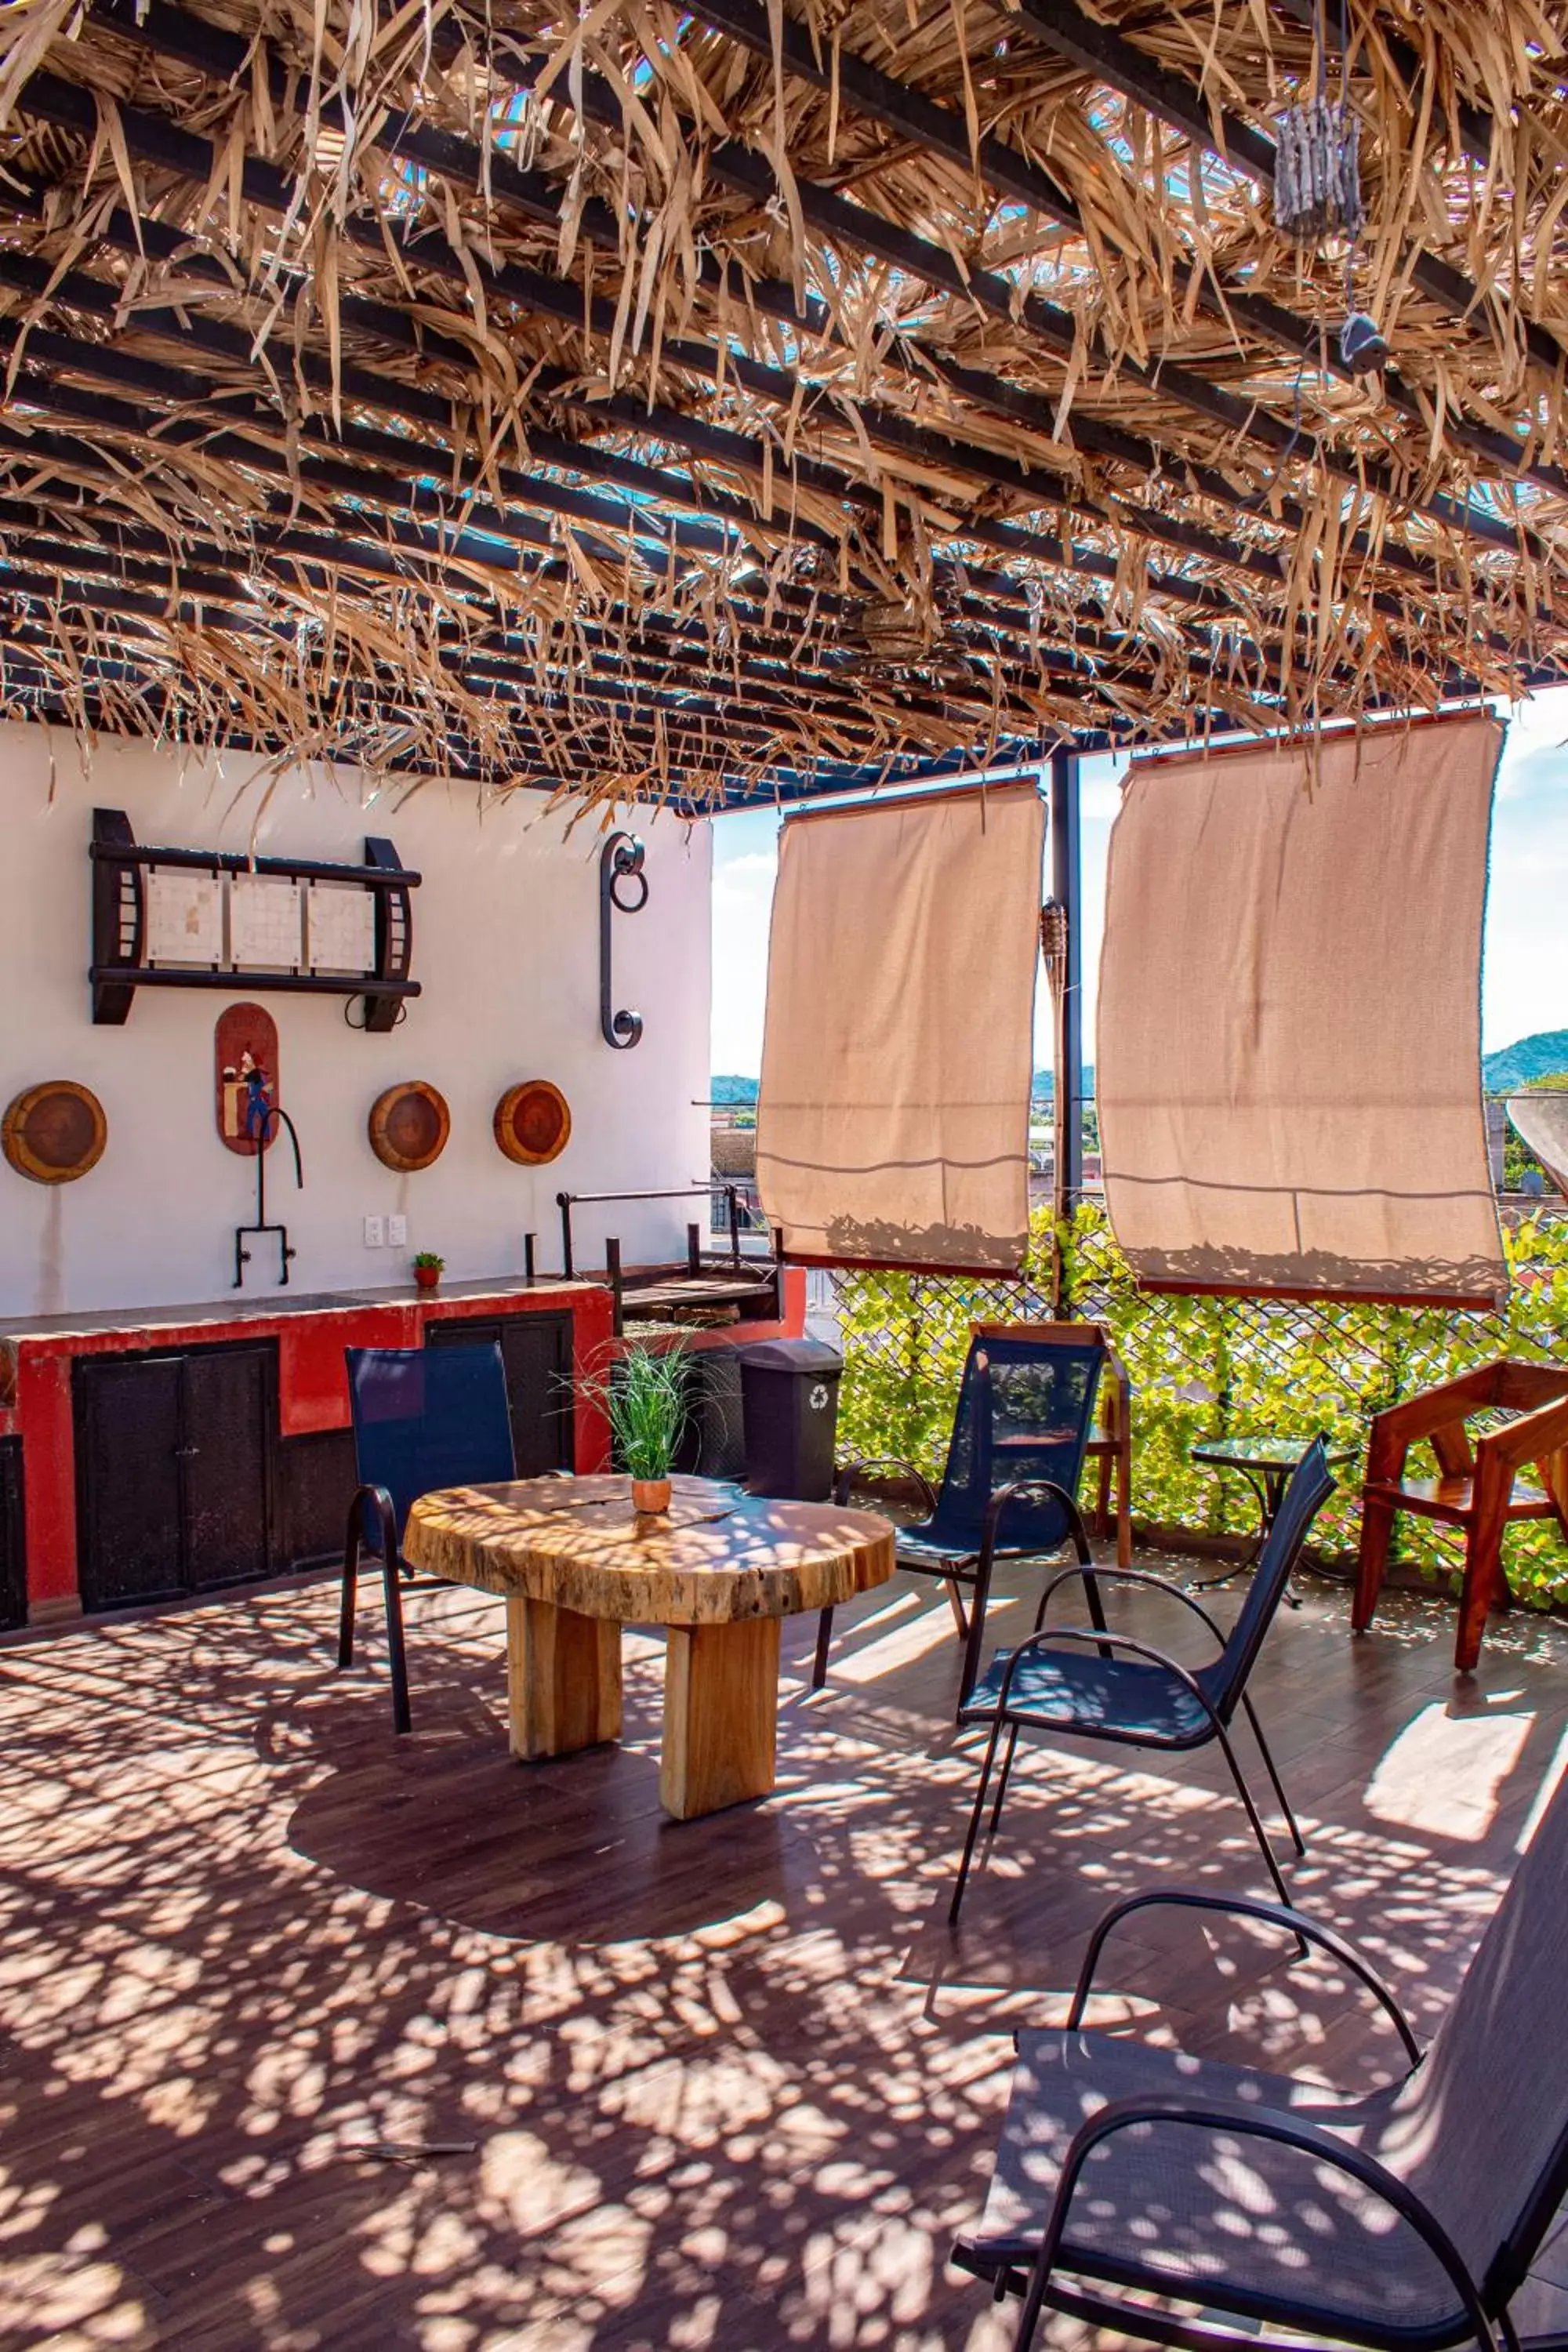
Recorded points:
(245, 1043)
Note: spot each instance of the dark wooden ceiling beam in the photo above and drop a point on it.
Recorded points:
(656, 647)
(1005, 538)
(641, 712)
(741, 453)
(983, 621)
(1100, 49)
(97, 299)
(1474, 124)
(911, 116)
(39, 580)
(211, 426)
(743, 168)
(232, 58)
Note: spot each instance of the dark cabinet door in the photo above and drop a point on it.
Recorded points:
(12, 1536)
(128, 1471)
(174, 1471)
(227, 1450)
(537, 1352)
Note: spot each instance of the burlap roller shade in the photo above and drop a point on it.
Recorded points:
(1288, 1052)
(893, 1127)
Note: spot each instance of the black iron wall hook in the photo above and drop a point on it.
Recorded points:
(620, 861)
(241, 1232)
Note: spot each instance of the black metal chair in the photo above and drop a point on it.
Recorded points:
(1024, 1417)
(1407, 2221)
(423, 1418)
(1094, 1685)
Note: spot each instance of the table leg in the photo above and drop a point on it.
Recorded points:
(1267, 1487)
(721, 1713)
(562, 1679)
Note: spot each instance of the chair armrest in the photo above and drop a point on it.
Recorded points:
(1528, 1438)
(852, 1470)
(1121, 1385)
(1245, 1906)
(372, 1521)
(1243, 2122)
(1128, 1576)
(1418, 1416)
(996, 1508)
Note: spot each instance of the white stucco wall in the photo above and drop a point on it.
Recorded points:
(506, 944)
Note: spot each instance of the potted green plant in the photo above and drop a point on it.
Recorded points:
(645, 1402)
(427, 1268)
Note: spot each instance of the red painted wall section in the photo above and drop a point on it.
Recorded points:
(48, 1481)
(592, 1346)
(312, 1381)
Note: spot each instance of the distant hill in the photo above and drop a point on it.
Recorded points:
(1514, 1066)
(1045, 1088)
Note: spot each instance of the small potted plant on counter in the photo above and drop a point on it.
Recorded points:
(427, 1268)
(646, 1402)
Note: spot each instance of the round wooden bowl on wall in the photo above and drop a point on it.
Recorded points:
(409, 1126)
(54, 1133)
(533, 1123)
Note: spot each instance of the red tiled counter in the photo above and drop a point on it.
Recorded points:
(38, 1358)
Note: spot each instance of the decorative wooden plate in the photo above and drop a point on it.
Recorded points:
(241, 1030)
(533, 1122)
(54, 1133)
(409, 1126)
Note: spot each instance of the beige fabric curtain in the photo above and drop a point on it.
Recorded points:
(1288, 1051)
(893, 1126)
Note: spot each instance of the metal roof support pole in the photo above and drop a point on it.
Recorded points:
(1067, 889)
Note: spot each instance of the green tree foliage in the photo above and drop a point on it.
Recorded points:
(1205, 1367)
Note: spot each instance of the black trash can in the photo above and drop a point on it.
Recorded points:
(789, 1402)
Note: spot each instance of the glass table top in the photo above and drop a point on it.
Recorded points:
(1261, 1453)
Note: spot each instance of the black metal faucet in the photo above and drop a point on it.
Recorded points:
(260, 1119)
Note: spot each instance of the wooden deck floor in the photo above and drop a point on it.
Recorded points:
(728, 2084)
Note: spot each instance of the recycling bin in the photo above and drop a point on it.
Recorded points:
(789, 1407)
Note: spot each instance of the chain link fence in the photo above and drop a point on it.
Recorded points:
(1202, 1368)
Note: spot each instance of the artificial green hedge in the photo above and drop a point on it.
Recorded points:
(1204, 1366)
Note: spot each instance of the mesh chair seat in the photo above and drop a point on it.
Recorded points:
(1198, 2215)
(1107, 1698)
(915, 1547)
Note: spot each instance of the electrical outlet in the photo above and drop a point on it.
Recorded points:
(374, 1232)
(397, 1233)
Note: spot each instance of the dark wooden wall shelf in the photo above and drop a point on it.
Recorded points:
(120, 952)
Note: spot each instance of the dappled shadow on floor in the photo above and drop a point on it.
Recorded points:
(729, 2082)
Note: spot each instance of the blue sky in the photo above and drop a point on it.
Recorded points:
(1525, 978)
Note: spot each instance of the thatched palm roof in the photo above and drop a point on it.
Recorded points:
(701, 405)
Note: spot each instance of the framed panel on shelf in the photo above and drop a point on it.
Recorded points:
(210, 918)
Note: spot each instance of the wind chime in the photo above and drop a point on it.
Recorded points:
(1316, 189)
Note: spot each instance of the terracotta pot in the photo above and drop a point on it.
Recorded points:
(650, 1493)
(427, 1276)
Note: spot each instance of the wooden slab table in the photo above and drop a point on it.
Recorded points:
(719, 1572)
